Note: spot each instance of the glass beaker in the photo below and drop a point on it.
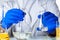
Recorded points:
(22, 31)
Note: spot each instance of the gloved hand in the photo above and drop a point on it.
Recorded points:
(12, 16)
(50, 20)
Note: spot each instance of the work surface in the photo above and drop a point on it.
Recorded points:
(37, 38)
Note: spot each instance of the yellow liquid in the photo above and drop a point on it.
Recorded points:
(57, 33)
(4, 36)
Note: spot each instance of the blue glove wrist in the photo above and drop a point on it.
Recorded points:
(49, 20)
(12, 16)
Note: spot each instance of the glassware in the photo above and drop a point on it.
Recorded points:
(22, 31)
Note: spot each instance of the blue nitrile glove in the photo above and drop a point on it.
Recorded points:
(49, 20)
(12, 16)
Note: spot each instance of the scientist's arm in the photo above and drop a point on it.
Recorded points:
(12, 16)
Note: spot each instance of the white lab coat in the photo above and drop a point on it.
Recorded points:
(38, 7)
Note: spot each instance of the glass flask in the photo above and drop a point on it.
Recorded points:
(21, 31)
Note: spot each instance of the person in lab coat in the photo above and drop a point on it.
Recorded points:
(33, 9)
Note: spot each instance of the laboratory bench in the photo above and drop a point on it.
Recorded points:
(37, 38)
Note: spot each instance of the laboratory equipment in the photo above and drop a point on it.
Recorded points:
(21, 32)
(21, 36)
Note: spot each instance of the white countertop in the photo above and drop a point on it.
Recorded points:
(37, 38)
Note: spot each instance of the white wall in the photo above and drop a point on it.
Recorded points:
(58, 3)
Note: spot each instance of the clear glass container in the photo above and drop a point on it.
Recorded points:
(22, 31)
